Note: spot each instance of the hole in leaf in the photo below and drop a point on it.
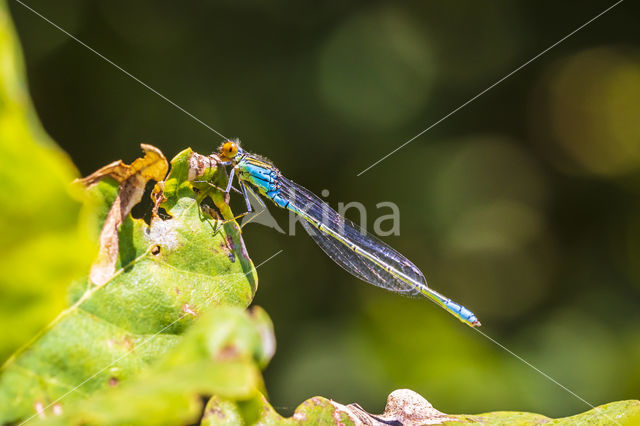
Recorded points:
(142, 210)
(209, 207)
(163, 214)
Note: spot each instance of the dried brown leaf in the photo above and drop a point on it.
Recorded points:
(133, 179)
(404, 407)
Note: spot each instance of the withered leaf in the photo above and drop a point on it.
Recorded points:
(133, 179)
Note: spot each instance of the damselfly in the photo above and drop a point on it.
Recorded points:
(358, 252)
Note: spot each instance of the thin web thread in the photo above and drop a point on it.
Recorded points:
(490, 87)
(540, 371)
(145, 341)
(535, 368)
(121, 69)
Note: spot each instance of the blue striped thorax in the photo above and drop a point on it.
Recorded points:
(260, 174)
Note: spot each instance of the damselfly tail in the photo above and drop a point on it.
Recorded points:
(459, 311)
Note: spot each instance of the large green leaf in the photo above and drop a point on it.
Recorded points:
(44, 243)
(220, 355)
(163, 276)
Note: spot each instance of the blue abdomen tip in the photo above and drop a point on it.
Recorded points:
(464, 314)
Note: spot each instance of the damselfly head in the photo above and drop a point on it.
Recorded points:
(228, 150)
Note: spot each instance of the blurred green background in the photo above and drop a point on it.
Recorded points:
(522, 206)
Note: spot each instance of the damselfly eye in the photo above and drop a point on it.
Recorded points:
(229, 149)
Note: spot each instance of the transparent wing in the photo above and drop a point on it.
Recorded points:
(344, 242)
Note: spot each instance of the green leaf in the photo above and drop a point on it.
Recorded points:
(219, 355)
(314, 411)
(622, 413)
(44, 238)
(403, 407)
(163, 276)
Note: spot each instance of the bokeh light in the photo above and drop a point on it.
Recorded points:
(594, 105)
(376, 68)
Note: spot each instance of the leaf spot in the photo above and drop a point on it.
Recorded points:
(39, 407)
(199, 164)
(187, 310)
(230, 248)
(125, 342)
(337, 418)
(299, 416)
(227, 352)
(57, 409)
(215, 411)
(163, 233)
